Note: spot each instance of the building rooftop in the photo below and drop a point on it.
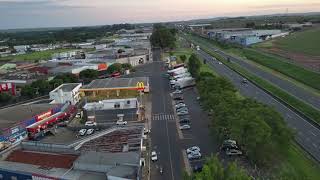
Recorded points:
(67, 87)
(43, 172)
(121, 140)
(123, 165)
(111, 116)
(12, 115)
(114, 83)
(47, 160)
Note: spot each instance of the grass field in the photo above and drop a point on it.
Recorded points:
(306, 42)
(300, 74)
(296, 72)
(34, 56)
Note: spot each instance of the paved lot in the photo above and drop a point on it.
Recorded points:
(299, 92)
(166, 140)
(307, 135)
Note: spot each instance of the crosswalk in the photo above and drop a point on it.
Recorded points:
(162, 117)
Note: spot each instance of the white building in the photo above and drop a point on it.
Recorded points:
(66, 93)
(110, 104)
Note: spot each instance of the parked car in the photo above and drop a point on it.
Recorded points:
(154, 156)
(146, 131)
(121, 122)
(82, 132)
(179, 105)
(185, 126)
(177, 92)
(78, 115)
(229, 144)
(219, 62)
(197, 168)
(183, 121)
(193, 149)
(90, 131)
(179, 102)
(233, 152)
(182, 109)
(192, 156)
(178, 98)
(90, 123)
(181, 113)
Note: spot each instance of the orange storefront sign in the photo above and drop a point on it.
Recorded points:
(102, 67)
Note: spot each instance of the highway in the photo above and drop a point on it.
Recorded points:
(307, 135)
(299, 92)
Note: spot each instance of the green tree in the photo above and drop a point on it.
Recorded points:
(214, 170)
(163, 37)
(67, 78)
(28, 91)
(183, 58)
(194, 65)
(126, 66)
(115, 67)
(42, 86)
(5, 97)
(89, 74)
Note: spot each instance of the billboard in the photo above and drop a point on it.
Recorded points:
(5, 87)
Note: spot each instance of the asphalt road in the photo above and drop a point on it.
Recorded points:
(307, 135)
(299, 92)
(164, 133)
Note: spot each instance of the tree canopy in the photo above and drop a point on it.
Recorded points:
(194, 65)
(214, 170)
(163, 37)
(260, 131)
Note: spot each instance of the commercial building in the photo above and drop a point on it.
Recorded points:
(113, 153)
(116, 87)
(66, 93)
(110, 111)
(242, 36)
(14, 120)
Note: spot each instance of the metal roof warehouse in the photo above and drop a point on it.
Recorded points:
(117, 84)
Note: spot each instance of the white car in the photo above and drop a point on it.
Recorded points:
(154, 156)
(90, 123)
(193, 149)
(219, 62)
(82, 132)
(192, 156)
(181, 113)
(146, 131)
(121, 122)
(90, 131)
(185, 126)
(180, 105)
(177, 92)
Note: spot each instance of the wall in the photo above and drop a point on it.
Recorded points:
(133, 60)
(110, 104)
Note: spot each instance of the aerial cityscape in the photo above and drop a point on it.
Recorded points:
(159, 90)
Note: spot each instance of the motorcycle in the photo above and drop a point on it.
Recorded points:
(161, 170)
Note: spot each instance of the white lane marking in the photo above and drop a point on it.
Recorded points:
(314, 145)
(313, 133)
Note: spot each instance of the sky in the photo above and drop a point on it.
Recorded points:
(59, 13)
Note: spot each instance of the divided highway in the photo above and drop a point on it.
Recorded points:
(300, 93)
(307, 135)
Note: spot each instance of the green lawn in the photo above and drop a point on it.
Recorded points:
(304, 76)
(43, 55)
(298, 166)
(296, 72)
(307, 42)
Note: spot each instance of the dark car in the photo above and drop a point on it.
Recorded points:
(197, 168)
(178, 98)
(184, 121)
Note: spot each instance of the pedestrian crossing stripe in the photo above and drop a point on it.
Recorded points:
(162, 116)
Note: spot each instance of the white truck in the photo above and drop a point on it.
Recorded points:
(187, 74)
(184, 83)
(174, 70)
(181, 71)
